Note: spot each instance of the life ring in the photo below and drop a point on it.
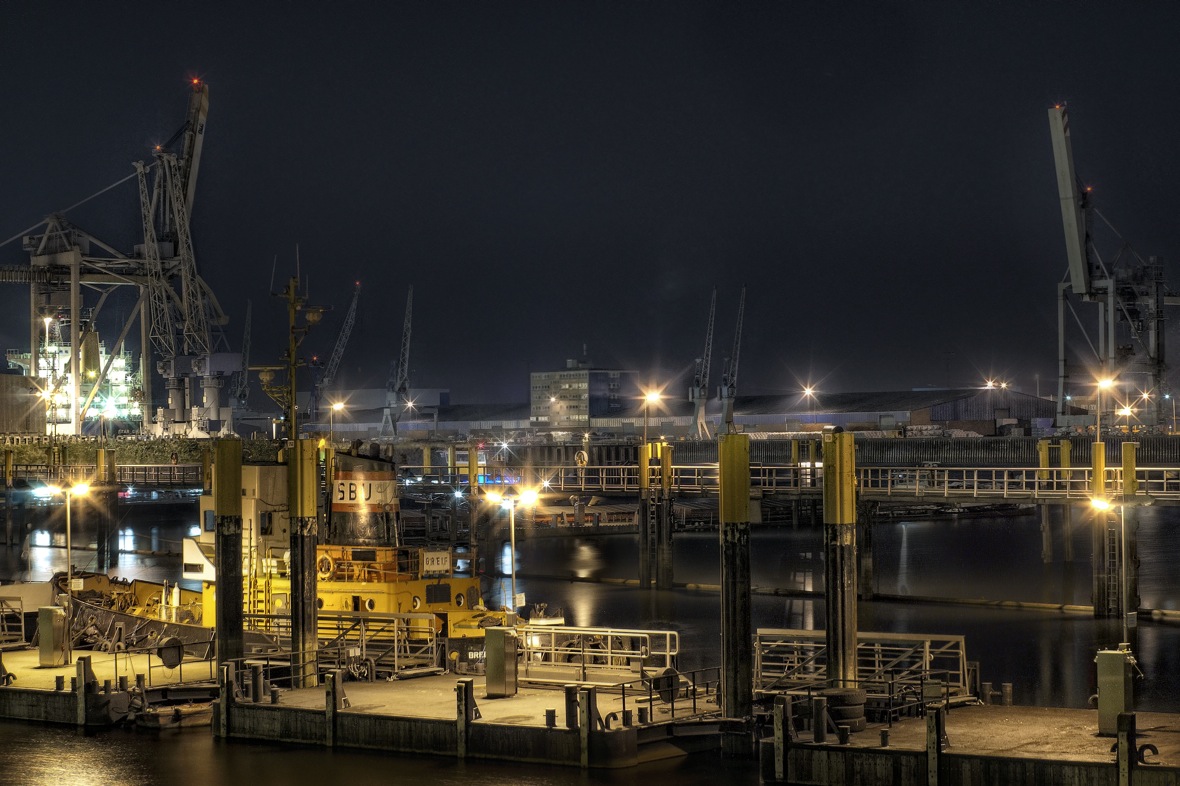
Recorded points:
(416, 603)
(324, 566)
(460, 600)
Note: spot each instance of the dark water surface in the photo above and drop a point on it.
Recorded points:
(1047, 655)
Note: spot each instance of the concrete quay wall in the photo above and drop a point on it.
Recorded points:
(833, 765)
(432, 736)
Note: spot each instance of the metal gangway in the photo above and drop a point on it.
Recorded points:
(562, 654)
(900, 668)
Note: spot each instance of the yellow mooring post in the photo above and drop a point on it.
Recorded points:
(840, 583)
(301, 496)
(1098, 468)
(737, 657)
(227, 514)
(1130, 482)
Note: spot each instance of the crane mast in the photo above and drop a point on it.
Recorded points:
(328, 373)
(397, 391)
(698, 393)
(729, 377)
(1130, 293)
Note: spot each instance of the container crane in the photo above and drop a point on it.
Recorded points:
(239, 391)
(1130, 293)
(698, 393)
(728, 391)
(178, 314)
(328, 372)
(397, 389)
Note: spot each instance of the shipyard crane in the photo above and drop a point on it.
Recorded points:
(698, 393)
(1130, 292)
(729, 377)
(239, 391)
(397, 389)
(328, 373)
(178, 314)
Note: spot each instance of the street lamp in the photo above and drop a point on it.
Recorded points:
(649, 398)
(1103, 384)
(527, 497)
(77, 490)
(1169, 396)
(336, 407)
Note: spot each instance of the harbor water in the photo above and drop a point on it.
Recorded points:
(1047, 655)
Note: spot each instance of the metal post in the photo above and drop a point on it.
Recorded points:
(840, 579)
(227, 511)
(69, 584)
(736, 637)
(512, 545)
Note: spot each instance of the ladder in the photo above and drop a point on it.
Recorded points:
(1114, 569)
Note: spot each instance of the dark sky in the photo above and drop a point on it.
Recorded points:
(557, 175)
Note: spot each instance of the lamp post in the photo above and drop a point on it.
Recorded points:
(527, 497)
(1104, 383)
(336, 407)
(1169, 396)
(809, 392)
(77, 490)
(649, 398)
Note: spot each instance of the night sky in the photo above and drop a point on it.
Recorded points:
(556, 178)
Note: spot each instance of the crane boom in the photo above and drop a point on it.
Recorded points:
(341, 341)
(194, 141)
(397, 389)
(1073, 203)
(240, 389)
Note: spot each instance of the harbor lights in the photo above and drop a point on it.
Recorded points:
(526, 497)
(336, 407)
(77, 490)
(809, 394)
(649, 398)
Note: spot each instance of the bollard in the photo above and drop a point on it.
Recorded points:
(985, 693)
(274, 694)
(571, 706)
(1006, 692)
(550, 718)
(122, 682)
(842, 732)
(106, 687)
(256, 679)
(73, 684)
(819, 718)
(59, 682)
(140, 682)
(884, 738)
(643, 711)
(628, 717)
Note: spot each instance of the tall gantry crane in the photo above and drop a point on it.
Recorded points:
(397, 389)
(179, 316)
(328, 372)
(698, 393)
(239, 391)
(1130, 292)
(729, 377)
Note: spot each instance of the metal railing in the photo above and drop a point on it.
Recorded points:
(943, 483)
(560, 653)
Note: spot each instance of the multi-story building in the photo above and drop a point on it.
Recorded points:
(570, 397)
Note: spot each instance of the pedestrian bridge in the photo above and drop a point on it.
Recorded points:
(902, 484)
